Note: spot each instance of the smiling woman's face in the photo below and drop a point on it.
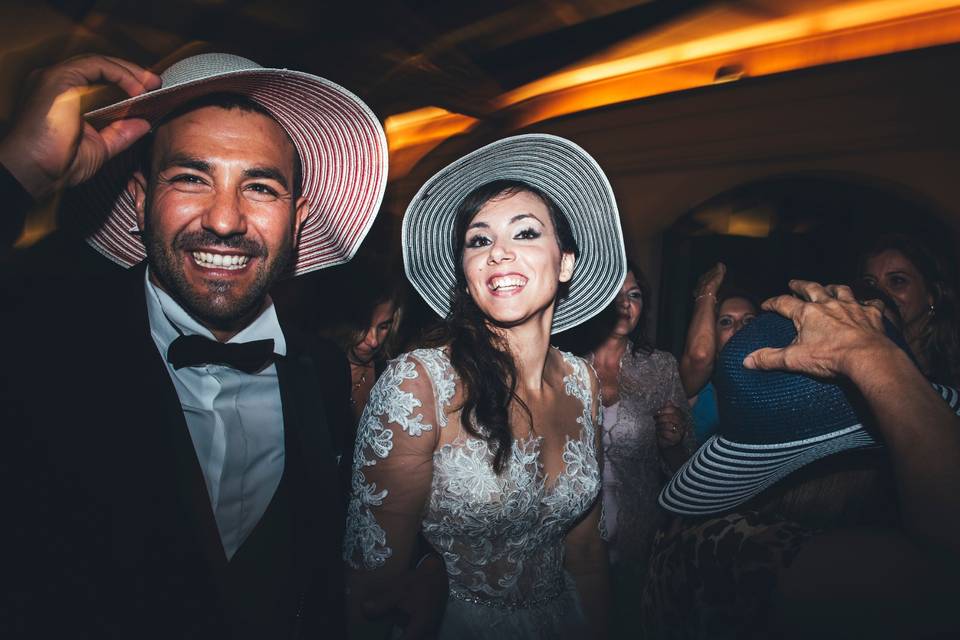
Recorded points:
(512, 260)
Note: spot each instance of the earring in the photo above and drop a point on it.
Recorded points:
(933, 311)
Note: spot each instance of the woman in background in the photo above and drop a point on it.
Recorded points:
(718, 314)
(360, 311)
(646, 437)
(370, 346)
(915, 278)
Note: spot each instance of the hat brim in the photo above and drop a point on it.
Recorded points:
(723, 474)
(342, 147)
(557, 167)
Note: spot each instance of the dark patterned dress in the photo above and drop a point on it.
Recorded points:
(717, 578)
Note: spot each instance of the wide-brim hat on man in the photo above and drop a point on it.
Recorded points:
(555, 166)
(342, 148)
(771, 424)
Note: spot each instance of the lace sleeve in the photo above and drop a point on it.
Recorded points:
(392, 467)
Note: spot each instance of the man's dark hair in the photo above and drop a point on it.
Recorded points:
(224, 101)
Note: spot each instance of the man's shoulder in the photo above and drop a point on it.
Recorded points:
(64, 315)
(86, 292)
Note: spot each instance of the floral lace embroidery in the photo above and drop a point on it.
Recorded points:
(441, 375)
(501, 536)
(363, 537)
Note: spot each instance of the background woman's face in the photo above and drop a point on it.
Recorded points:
(381, 322)
(895, 275)
(629, 306)
(734, 314)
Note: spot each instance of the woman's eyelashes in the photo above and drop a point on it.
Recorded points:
(897, 281)
(480, 240)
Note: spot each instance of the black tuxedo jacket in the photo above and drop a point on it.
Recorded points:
(111, 530)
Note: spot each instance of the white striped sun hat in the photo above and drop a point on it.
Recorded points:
(342, 148)
(771, 424)
(557, 167)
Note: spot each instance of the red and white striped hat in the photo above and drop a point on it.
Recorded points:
(341, 144)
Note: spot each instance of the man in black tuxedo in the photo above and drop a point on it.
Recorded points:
(169, 461)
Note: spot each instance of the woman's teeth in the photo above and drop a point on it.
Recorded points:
(507, 282)
(220, 260)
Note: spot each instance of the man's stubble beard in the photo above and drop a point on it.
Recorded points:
(215, 308)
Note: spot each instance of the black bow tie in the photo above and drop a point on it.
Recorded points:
(190, 351)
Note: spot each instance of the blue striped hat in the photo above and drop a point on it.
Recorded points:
(771, 424)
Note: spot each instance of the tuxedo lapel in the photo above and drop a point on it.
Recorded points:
(190, 482)
(311, 460)
(164, 434)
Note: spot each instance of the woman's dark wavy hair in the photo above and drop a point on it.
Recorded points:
(939, 340)
(480, 357)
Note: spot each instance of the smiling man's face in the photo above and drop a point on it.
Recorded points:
(218, 212)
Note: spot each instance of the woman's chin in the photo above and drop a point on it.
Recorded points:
(361, 357)
(623, 328)
(514, 321)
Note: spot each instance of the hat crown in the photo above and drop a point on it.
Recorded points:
(773, 407)
(203, 66)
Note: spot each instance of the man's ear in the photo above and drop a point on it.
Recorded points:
(137, 188)
(567, 262)
(299, 215)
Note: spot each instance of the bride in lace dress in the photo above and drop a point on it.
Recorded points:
(486, 444)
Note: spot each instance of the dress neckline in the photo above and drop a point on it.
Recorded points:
(576, 383)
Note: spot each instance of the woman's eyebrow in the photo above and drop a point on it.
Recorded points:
(521, 216)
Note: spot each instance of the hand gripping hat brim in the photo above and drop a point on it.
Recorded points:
(342, 147)
(772, 423)
(557, 167)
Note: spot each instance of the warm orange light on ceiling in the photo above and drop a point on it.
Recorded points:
(413, 134)
(675, 61)
(735, 37)
(415, 127)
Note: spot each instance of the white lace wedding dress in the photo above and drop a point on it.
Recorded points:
(501, 537)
